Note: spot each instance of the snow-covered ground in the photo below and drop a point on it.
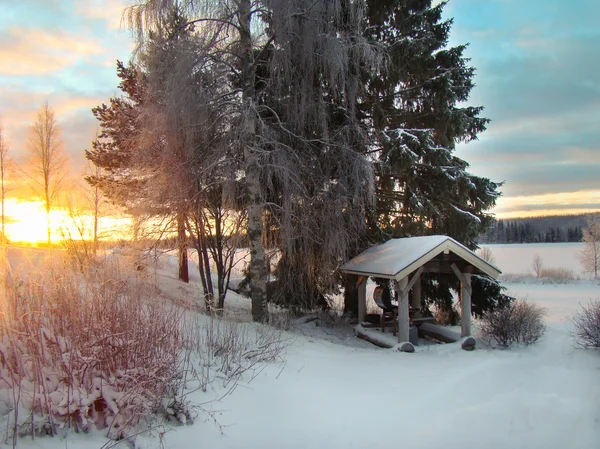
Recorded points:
(336, 391)
(518, 258)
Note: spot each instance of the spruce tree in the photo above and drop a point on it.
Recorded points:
(418, 117)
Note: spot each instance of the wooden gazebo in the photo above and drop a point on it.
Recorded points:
(405, 260)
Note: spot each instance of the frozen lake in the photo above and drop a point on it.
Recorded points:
(518, 258)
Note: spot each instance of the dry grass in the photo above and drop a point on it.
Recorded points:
(86, 350)
(543, 276)
(101, 348)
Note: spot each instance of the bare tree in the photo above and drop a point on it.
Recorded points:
(590, 254)
(4, 161)
(537, 264)
(47, 163)
(95, 198)
(486, 254)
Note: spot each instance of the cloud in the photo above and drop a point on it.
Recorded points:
(73, 114)
(37, 52)
(109, 11)
(545, 204)
(540, 85)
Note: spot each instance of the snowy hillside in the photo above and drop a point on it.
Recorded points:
(336, 391)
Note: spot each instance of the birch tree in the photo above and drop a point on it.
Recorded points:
(590, 254)
(291, 69)
(47, 162)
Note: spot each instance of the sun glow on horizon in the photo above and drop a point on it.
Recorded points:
(25, 221)
(563, 203)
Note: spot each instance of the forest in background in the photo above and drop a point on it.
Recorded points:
(543, 229)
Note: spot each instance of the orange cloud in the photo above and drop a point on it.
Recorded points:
(36, 52)
(548, 204)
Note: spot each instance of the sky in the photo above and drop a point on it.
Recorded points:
(538, 77)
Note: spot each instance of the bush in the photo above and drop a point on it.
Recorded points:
(86, 350)
(103, 349)
(520, 321)
(587, 325)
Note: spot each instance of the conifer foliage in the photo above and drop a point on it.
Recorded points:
(418, 118)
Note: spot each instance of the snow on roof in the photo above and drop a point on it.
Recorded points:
(398, 258)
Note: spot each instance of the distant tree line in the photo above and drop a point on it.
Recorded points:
(545, 229)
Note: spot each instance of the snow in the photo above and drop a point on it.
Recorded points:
(396, 256)
(336, 391)
(465, 212)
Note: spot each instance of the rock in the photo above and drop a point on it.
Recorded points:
(406, 346)
(468, 343)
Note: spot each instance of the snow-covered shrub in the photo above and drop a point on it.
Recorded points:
(87, 350)
(558, 275)
(519, 321)
(229, 349)
(545, 276)
(586, 325)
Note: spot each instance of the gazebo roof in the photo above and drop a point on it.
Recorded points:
(397, 258)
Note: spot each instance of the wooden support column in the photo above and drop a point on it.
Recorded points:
(362, 298)
(403, 318)
(465, 295)
(465, 321)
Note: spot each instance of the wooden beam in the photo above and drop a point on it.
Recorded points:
(457, 272)
(362, 333)
(440, 333)
(360, 280)
(462, 278)
(414, 279)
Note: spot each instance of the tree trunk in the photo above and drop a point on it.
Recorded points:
(258, 281)
(96, 193)
(48, 224)
(351, 295)
(3, 196)
(184, 274)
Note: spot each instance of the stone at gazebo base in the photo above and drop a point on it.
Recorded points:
(406, 346)
(468, 343)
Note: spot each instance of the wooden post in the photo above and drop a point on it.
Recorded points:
(403, 318)
(465, 321)
(362, 299)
